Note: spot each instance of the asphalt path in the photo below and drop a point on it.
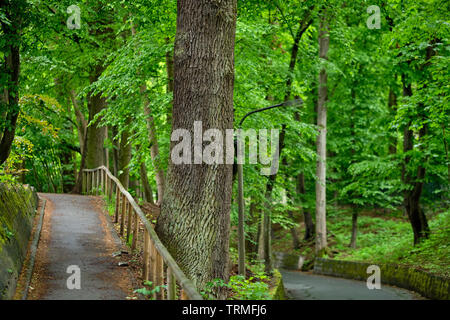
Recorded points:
(307, 286)
(79, 238)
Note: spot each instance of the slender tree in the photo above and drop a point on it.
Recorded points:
(321, 227)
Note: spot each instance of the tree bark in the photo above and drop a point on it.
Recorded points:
(321, 227)
(10, 110)
(195, 214)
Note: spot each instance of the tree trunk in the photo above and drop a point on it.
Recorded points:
(154, 150)
(309, 224)
(124, 156)
(411, 197)
(169, 70)
(81, 120)
(392, 104)
(148, 193)
(95, 133)
(354, 228)
(321, 227)
(195, 214)
(264, 244)
(11, 34)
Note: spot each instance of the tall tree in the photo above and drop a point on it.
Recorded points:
(195, 214)
(11, 20)
(321, 227)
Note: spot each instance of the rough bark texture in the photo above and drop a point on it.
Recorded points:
(195, 215)
(321, 227)
(10, 101)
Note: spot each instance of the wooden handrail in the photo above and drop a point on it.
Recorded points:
(151, 260)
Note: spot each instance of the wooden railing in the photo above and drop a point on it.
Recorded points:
(159, 266)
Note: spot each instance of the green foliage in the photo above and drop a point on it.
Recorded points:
(253, 288)
(149, 290)
(390, 241)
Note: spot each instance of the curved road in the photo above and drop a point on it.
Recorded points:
(306, 286)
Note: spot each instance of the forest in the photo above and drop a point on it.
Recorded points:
(346, 102)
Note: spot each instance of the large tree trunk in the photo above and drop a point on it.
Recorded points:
(9, 104)
(195, 216)
(321, 226)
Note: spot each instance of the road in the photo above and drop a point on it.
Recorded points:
(76, 233)
(307, 286)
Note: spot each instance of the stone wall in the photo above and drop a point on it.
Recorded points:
(426, 284)
(277, 292)
(17, 209)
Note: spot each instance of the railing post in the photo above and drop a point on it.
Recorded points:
(109, 188)
(135, 230)
(145, 271)
(171, 285)
(158, 276)
(116, 210)
(103, 182)
(97, 172)
(122, 214)
(92, 182)
(82, 182)
(87, 182)
(152, 262)
(129, 211)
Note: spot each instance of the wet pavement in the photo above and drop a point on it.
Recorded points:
(80, 236)
(306, 286)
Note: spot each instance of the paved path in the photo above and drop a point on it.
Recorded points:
(78, 233)
(306, 286)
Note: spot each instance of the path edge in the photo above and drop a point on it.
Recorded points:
(34, 246)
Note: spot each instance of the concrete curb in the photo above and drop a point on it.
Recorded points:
(34, 246)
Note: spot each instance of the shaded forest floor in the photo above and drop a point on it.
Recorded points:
(383, 237)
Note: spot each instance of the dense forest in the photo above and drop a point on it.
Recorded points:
(362, 121)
